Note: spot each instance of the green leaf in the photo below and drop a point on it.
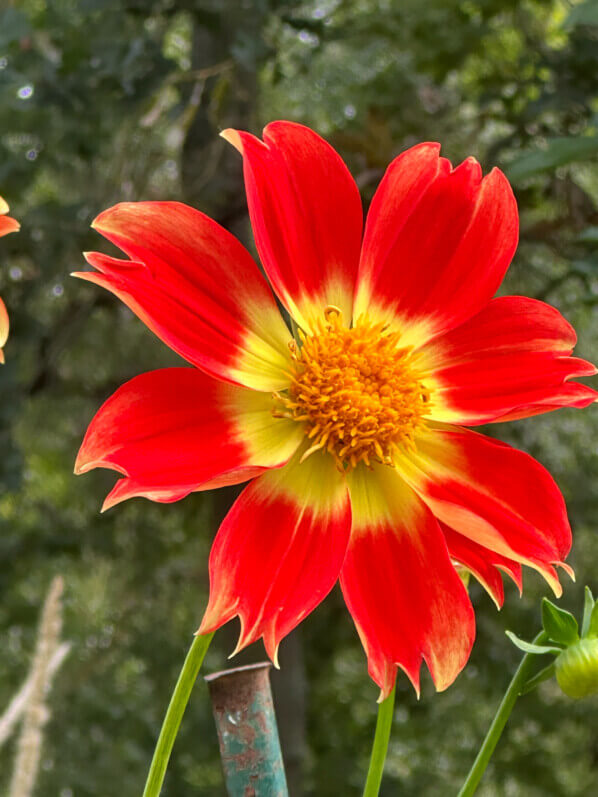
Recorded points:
(559, 624)
(558, 152)
(588, 605)
(593, 626)
(583, 14)
(528, 647)
(544, 675)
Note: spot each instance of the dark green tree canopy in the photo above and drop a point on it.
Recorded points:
(103, 101)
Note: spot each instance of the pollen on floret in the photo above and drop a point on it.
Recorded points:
(356, 390)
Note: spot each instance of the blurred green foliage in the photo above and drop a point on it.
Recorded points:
(102, 101)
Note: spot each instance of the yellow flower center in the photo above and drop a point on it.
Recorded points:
(356, 390)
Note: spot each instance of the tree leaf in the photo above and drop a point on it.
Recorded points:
(583, 14)
(559, 624)
(558, 152)
(14, 25)
(589, 235)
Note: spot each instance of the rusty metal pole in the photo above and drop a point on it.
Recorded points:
(247, 732)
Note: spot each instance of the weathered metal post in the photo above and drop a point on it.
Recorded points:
(247, 732)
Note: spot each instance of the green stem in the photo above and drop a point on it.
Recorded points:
(514, 690)
(174, 714)
(381, 737)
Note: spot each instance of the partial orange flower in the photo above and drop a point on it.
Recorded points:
(6, 225)
(352, 430)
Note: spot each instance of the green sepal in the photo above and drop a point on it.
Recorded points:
(529, 647)
(543, 675)
(559, 624)
(593, 626)
(588, 606)
(295, 332)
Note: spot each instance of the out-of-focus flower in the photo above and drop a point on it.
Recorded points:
(352, 429)
(4, 326)
(6, 225)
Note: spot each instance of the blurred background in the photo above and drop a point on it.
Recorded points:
(106, 100)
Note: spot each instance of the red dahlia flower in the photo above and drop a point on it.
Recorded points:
(352, 432)
(6, 225)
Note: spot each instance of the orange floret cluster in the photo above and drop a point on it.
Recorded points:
(357, 391)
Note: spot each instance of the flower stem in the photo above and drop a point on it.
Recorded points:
(514, 690)
(381, 737)
(174, 714)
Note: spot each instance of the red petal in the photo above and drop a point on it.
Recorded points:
(176, 430)
(4, 325)
(197, 288)
(497, 496)
(510, 360)
(306, 215)
(401, 588)
(483, 563)
(437, 243)
(279, 551)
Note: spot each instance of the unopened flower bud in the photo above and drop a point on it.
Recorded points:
(577, 668)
